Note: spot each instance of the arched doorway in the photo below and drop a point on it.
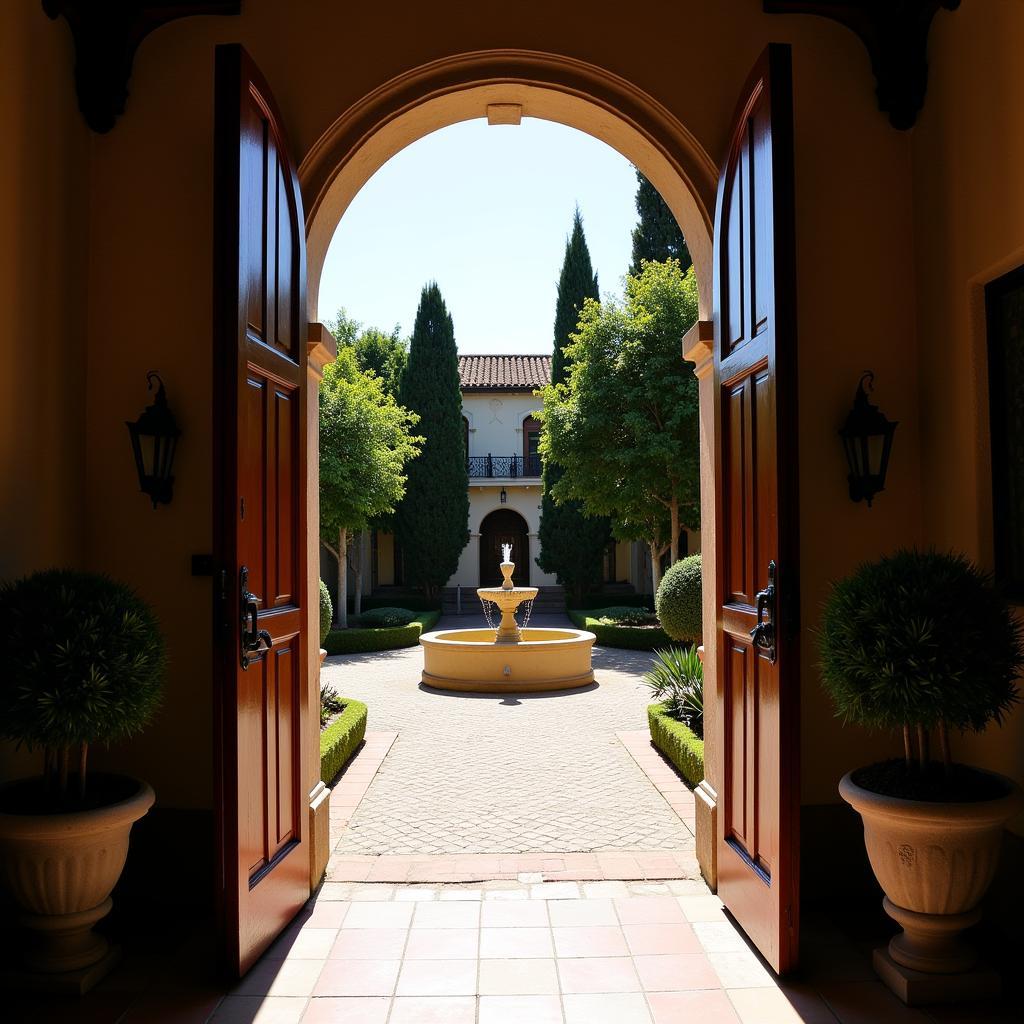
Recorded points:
(504, 526)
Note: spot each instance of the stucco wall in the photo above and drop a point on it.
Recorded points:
(968, 151)
(496, 421)
(44, 190)
(150, 204)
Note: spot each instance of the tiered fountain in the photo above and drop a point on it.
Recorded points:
(507, 658)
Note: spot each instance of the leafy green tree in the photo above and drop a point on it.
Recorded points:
(344, 328)
(657, 236)
(572, 545)
(366, 443)
(383, 354)
(624, 425)
(431, 522)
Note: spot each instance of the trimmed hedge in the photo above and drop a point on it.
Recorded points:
(356, 641)
(414, 602)
(634, 638)
(679, 601)
(339, 740)
(326, 612)
(677, 742)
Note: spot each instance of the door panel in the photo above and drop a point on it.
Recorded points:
(260, 478)
(755, 377)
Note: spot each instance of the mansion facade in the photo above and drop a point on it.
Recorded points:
(503, 459)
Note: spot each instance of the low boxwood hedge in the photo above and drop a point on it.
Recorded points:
(635, 638)
(677, 742)
(339, 740)
(591, 601)
(358, 640)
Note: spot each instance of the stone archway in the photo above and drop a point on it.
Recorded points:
(504, 526)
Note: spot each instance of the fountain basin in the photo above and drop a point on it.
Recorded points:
(544, 659)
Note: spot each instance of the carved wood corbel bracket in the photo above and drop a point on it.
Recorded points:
(106, 35)
(895, 34)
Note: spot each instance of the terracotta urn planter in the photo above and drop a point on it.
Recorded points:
(60, 868)
(934, 862)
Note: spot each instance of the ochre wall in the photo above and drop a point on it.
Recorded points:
(150, 208)
(44, 203)
(968, 151)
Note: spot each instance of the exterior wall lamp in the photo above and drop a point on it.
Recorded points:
(503, 496)
(154, 437)
(867, 440)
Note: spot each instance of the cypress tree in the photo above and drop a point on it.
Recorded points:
(657, 236)
(431, 524)
(572, 546)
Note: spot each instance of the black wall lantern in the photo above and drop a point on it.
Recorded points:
(867, 439)
(154, 438)
(503, 496)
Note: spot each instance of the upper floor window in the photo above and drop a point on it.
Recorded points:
(1004, 307)
(531, 438)
(465, 433)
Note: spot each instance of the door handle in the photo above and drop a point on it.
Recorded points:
(763, 633)
(254, 641)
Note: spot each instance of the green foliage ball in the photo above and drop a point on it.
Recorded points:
(81, 660)
(386, 618)
(326, 612)
(679, 603)
(627, 615)
(919, 637)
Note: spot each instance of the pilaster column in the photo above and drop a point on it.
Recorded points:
(321, 349)
(698, 348)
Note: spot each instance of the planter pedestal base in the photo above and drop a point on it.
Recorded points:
(66, 983)
(930, 943)
(915, 988)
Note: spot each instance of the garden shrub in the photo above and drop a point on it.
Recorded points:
(383, 618)
(326, 612)
(677, 742)
(359, 640)
(338, 742)
(330, 704)
(592, 601)
(679, 603)
(677, 680)
(635, 638)
(626, 615)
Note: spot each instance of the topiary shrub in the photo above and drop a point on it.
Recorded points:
(920, 641)
(326, 612)
(677, 742)
(340, 740)
(679, 602)
(386, 618)
(82, 662)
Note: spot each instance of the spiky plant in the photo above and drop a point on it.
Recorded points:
(677, 680)
(920, 641)
(81, 662)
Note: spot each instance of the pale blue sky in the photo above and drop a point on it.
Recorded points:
(485, 211)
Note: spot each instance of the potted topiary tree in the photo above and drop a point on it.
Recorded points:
(921, 644)
(678, 602)
(81, 663)
(326, 615)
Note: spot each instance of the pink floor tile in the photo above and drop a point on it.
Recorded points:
(433, 1010)
(350, 1010)
(442, 944)
(598, 974)
(260, 1010)
(437, 978)
(518, 977)
(651, 939)
(280, 978)
(649, 910)
(305, 944)
(582, 913)
(607, 1008)
(374, 914)
(326, 914)
(518, 914)
(773, 1006)
(366, 978)
(446, 915)
(514, 943)
(369, 944)
(520, 1010)
(712, 1007)
(677, 972)
(592, 941)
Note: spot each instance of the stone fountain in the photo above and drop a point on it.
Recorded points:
(507, 658)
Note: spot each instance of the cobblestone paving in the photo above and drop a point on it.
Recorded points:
(505, 774)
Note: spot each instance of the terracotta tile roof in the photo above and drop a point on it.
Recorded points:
(504, 373)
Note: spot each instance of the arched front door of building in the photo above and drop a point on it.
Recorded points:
(504, 527)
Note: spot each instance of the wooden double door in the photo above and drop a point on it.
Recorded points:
(504, 527)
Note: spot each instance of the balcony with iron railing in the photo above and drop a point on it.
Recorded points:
(503, 467)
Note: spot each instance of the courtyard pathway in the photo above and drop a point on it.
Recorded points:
(472, 774)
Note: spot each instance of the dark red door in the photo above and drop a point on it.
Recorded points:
(756, 546)
(260, 479)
